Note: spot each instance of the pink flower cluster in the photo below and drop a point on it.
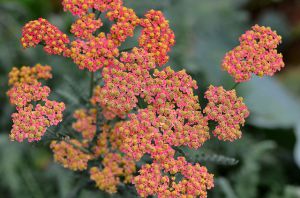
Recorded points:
(29, 74)
(256, 54)
(157, 37)
(41, 31)
(75, 154)
(154, 179)
(93, 54)
(69, 155)
(115, 167)
(126, 19)
(123, 83)
(170, 115)
(85, 26)
(31, 122)
(85, 123)
(228, 110)
(81, 7)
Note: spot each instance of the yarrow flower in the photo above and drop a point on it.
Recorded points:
(85, 123)
(81, 7)
(114, 167)
(124, 81)
(126, 19)
(156, 37)
(69, 154)
(93, 54)
(256, 54)
(41, 31)
(153, 179)
(31, 121)
(75, 155)
(136, 111)
(228, 110)
(85, 26)
(29, 75)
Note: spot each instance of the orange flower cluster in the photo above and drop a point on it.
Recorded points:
(93, 54)
(94, 51)
(68, 154)
(126, 19)
(256, 54)
(81, 7)
(146, 111)
(157, 37)
(85, 26)
(41, 31)
(31, 121)
(123, 83)
(75, 154)
(228, 110)
(115, 166)
(85, 123)
(152, 180)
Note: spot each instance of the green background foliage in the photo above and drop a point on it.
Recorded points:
(268, 154)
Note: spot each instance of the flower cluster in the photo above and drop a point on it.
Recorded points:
(41, 31)
(93, 54)
(123, 83)
(29, 74)
(152, 180)
(126, 19)
(114, 167)
(68, 154)
(171, 119)
(85, 123)
(228, 110)
(94, 51)
(85, 26)
(31, 121)
(256, 54)
(137, 109)
(81, 7)
(76, 154)
(157, 37)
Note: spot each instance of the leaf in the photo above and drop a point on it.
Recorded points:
(271, 106)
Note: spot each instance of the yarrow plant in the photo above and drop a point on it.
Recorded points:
(140, 113)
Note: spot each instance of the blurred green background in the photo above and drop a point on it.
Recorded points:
(268, 153)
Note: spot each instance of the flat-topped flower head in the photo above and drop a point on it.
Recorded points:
(81, 7)
(126, 21)
(124, 82)
(93, 54)
(115, 168)
(35, 112)
(161, 180)
(69, 154)
(22, 94)
(31, 123)
(85, 123)
(256, 54)
(41, 31)
(228, 110)
(157, 36)
(85, 26)
(29, 75)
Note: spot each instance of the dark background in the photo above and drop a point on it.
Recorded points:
(205, 29)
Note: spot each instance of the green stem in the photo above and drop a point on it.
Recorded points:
(77, 147)
(92, 84)
(126, 49)
(235, 85)
(181, 152)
